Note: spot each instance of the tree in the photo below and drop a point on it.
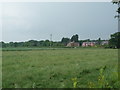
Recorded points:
(32, 43)
(74, 38)
(47, 43)
(65, 40)
(2, 44)
(118, 10)
(115, 40)
(15, 44)
(99, 41)
(11, 44)
(116, 1)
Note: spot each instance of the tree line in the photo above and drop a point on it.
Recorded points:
(46, 43)
(32, 43)
(42, 43)
(114, 42)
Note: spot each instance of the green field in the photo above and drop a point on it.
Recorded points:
(56, 68)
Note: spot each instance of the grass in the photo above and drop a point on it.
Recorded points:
(55, 68)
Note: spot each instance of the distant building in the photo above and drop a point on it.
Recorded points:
(73, 44)
(105, 42)
(86, 44)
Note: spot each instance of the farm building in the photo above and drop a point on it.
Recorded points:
(105, 42)
(73, 44)
(85, 44)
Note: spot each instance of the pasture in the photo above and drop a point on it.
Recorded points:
(57, 68)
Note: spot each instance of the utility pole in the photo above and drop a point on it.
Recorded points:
(50, 40)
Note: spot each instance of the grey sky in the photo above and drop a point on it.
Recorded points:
(25, 21)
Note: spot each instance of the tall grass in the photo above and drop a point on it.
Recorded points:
(55, 68)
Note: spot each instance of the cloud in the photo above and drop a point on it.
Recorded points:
(23, 21)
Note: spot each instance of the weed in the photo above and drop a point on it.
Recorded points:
(91, 85)
(103, 81)
(33, 86)
(74, 82)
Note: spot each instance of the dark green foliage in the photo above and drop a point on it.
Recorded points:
(99, 41)
(65, 40)
(74, 38)
(2, 44)
(31, 43)
(115, 40)
(118, 10)
(53, 44)
(116, 1)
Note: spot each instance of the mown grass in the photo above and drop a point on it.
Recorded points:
(55, 68)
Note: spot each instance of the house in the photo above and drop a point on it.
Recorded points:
(106, 42)
(73, 44)
(86, 44)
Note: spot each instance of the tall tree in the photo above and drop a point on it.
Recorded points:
(118, 10)
(74, 38)
(99, 41)
(115, 40)
(65, 40)
(2, 44)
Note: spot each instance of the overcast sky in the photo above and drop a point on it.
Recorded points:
(26, 21)
(56, 0)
